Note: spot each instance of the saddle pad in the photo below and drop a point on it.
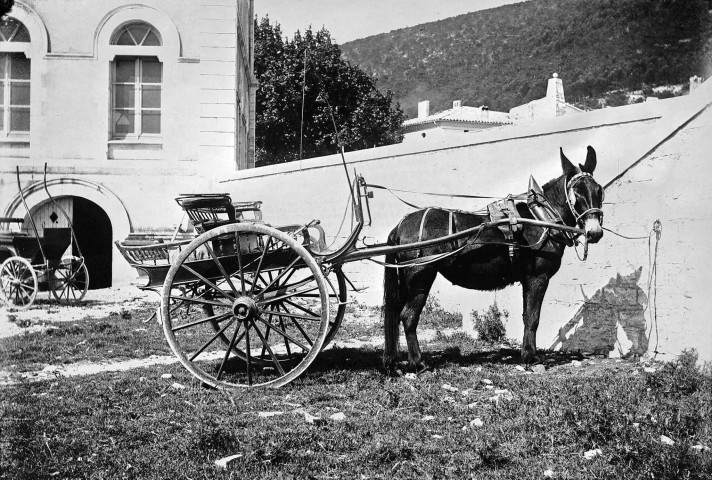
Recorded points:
(500, 210)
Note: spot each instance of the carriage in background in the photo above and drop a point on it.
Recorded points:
(37, 262)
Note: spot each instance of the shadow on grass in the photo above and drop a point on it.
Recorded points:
(364, 359)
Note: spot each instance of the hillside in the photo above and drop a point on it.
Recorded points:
(503, 56)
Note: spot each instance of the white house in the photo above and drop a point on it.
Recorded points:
(458, 119)
(461, 120)
(129, 103)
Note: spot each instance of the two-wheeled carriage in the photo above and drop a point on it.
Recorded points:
(247, 304)
(40, 262)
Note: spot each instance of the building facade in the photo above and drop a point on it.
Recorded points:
(129, 104)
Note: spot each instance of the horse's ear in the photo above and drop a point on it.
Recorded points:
(590, 164)
(566, 165)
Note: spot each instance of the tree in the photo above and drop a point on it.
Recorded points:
(5, 6)
(334, 93)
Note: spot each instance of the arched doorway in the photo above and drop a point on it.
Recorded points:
(93, 231)
(92, 227)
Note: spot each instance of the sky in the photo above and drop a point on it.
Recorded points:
(348, 20)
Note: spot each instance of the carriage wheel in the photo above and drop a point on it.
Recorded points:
(18, 283)
(267, 296)
(70, 281)
(337, 303)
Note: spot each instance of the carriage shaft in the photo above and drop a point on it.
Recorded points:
(366, 253)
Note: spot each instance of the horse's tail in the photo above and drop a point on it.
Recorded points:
(392, 305)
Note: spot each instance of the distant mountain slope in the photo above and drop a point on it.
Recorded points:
(502, 57)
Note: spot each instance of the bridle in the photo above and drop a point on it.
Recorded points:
(571, 200)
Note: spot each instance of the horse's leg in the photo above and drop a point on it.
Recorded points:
(393, 299)
(533, 290)
(418, 288)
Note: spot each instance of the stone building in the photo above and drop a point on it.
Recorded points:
(461, 120)
(129, 104)
(458, 119)
(552, 106)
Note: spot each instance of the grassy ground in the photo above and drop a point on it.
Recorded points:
(475, 416)
(121, 335)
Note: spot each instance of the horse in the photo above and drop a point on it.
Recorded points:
(490, 260)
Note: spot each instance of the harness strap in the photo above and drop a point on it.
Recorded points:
(422, 226)
(571, 198)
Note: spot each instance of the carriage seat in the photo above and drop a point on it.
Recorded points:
(208, 211)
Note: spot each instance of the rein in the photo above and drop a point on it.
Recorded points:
(433, 194)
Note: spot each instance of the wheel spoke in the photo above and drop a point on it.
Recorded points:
(203, 301)
(213, 318)
(300, 293)
(286, 343)
(227, 352)
(221, 268)
(303, 309)
(259, 265)
(265, 344)
(239, 263)
(212, 339)
(289, 268)
(267, 332)
(288, 336)
(290, 315)
(247, 352)
(208, 282)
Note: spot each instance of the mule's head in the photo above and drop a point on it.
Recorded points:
(584, 195)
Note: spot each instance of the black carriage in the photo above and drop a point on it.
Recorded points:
(40, 262)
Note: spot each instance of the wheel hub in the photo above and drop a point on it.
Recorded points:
(244, 308)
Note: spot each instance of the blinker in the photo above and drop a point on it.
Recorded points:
(538, 204)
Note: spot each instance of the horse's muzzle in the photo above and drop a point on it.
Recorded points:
(594, 230)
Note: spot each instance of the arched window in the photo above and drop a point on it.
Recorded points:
(15, 69)
(136, 81)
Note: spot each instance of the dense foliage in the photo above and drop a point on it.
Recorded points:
(6, 6)
(362, 115)
(502, 57)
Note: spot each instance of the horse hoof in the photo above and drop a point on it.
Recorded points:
(422, 368)
(529, 358)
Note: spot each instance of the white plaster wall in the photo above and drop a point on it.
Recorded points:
(499, 162)
(672, 185)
